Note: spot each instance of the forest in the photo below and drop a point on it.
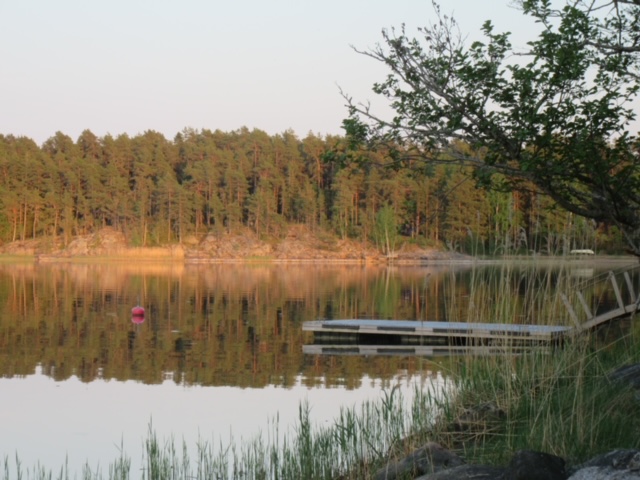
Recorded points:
(159, 191)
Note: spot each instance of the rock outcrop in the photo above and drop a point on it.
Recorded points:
(433, 462)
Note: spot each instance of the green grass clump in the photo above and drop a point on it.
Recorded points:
(559, 401)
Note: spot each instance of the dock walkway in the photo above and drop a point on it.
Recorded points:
(437, 332)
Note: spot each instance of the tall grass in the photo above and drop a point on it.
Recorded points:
(555, 399)
(510, 292)
(559, 401)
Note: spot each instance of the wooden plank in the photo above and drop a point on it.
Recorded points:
(616, 290)
(585, 307)
(417, 350)
(572, 313)
(632, 292)
(604, 317)
(311, 326)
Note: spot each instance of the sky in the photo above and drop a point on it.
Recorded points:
(127, 66)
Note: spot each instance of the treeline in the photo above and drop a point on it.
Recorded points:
(159, 191)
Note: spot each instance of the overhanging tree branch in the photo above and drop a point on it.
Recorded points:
(558, 121)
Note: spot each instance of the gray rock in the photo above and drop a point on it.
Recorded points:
(530, 465)
(428, 459)
(467, 472)
(615, 465)
(629, 374)
(604, 473)
(479, 417)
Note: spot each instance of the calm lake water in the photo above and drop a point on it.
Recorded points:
(219, 354)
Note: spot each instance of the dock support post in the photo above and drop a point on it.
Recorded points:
(572, 312)
(616, 290)
(585, 307)
(632, 292)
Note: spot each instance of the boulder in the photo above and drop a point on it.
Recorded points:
(433, 462)
(524, 465)
(531, 465)
(616, 465)
(428, 459)
(467, 472)
(629, 374)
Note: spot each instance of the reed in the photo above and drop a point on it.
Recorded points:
(350, 448)
(559, 402)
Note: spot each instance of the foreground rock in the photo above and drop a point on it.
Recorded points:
(628, 374)
(615, 465)
(530, 465)
(428, 459)
(467, 472)
(433, 462)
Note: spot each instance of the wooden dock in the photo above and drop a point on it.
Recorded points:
(411, 332)
(387, 335)
(409, 350)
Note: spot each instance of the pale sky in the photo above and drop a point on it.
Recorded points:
(126, 66)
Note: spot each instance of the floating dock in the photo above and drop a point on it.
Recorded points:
(387, 335)
(409, 350)
(411, 332)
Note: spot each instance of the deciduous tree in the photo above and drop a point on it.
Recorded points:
(556, 117)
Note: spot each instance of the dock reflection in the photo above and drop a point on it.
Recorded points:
(417, 350)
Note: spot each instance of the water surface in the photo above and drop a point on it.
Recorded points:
(219, 353)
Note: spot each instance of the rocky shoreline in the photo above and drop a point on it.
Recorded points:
(434, 462)
(299, 245)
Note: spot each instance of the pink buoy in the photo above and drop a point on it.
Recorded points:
(137, 311)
